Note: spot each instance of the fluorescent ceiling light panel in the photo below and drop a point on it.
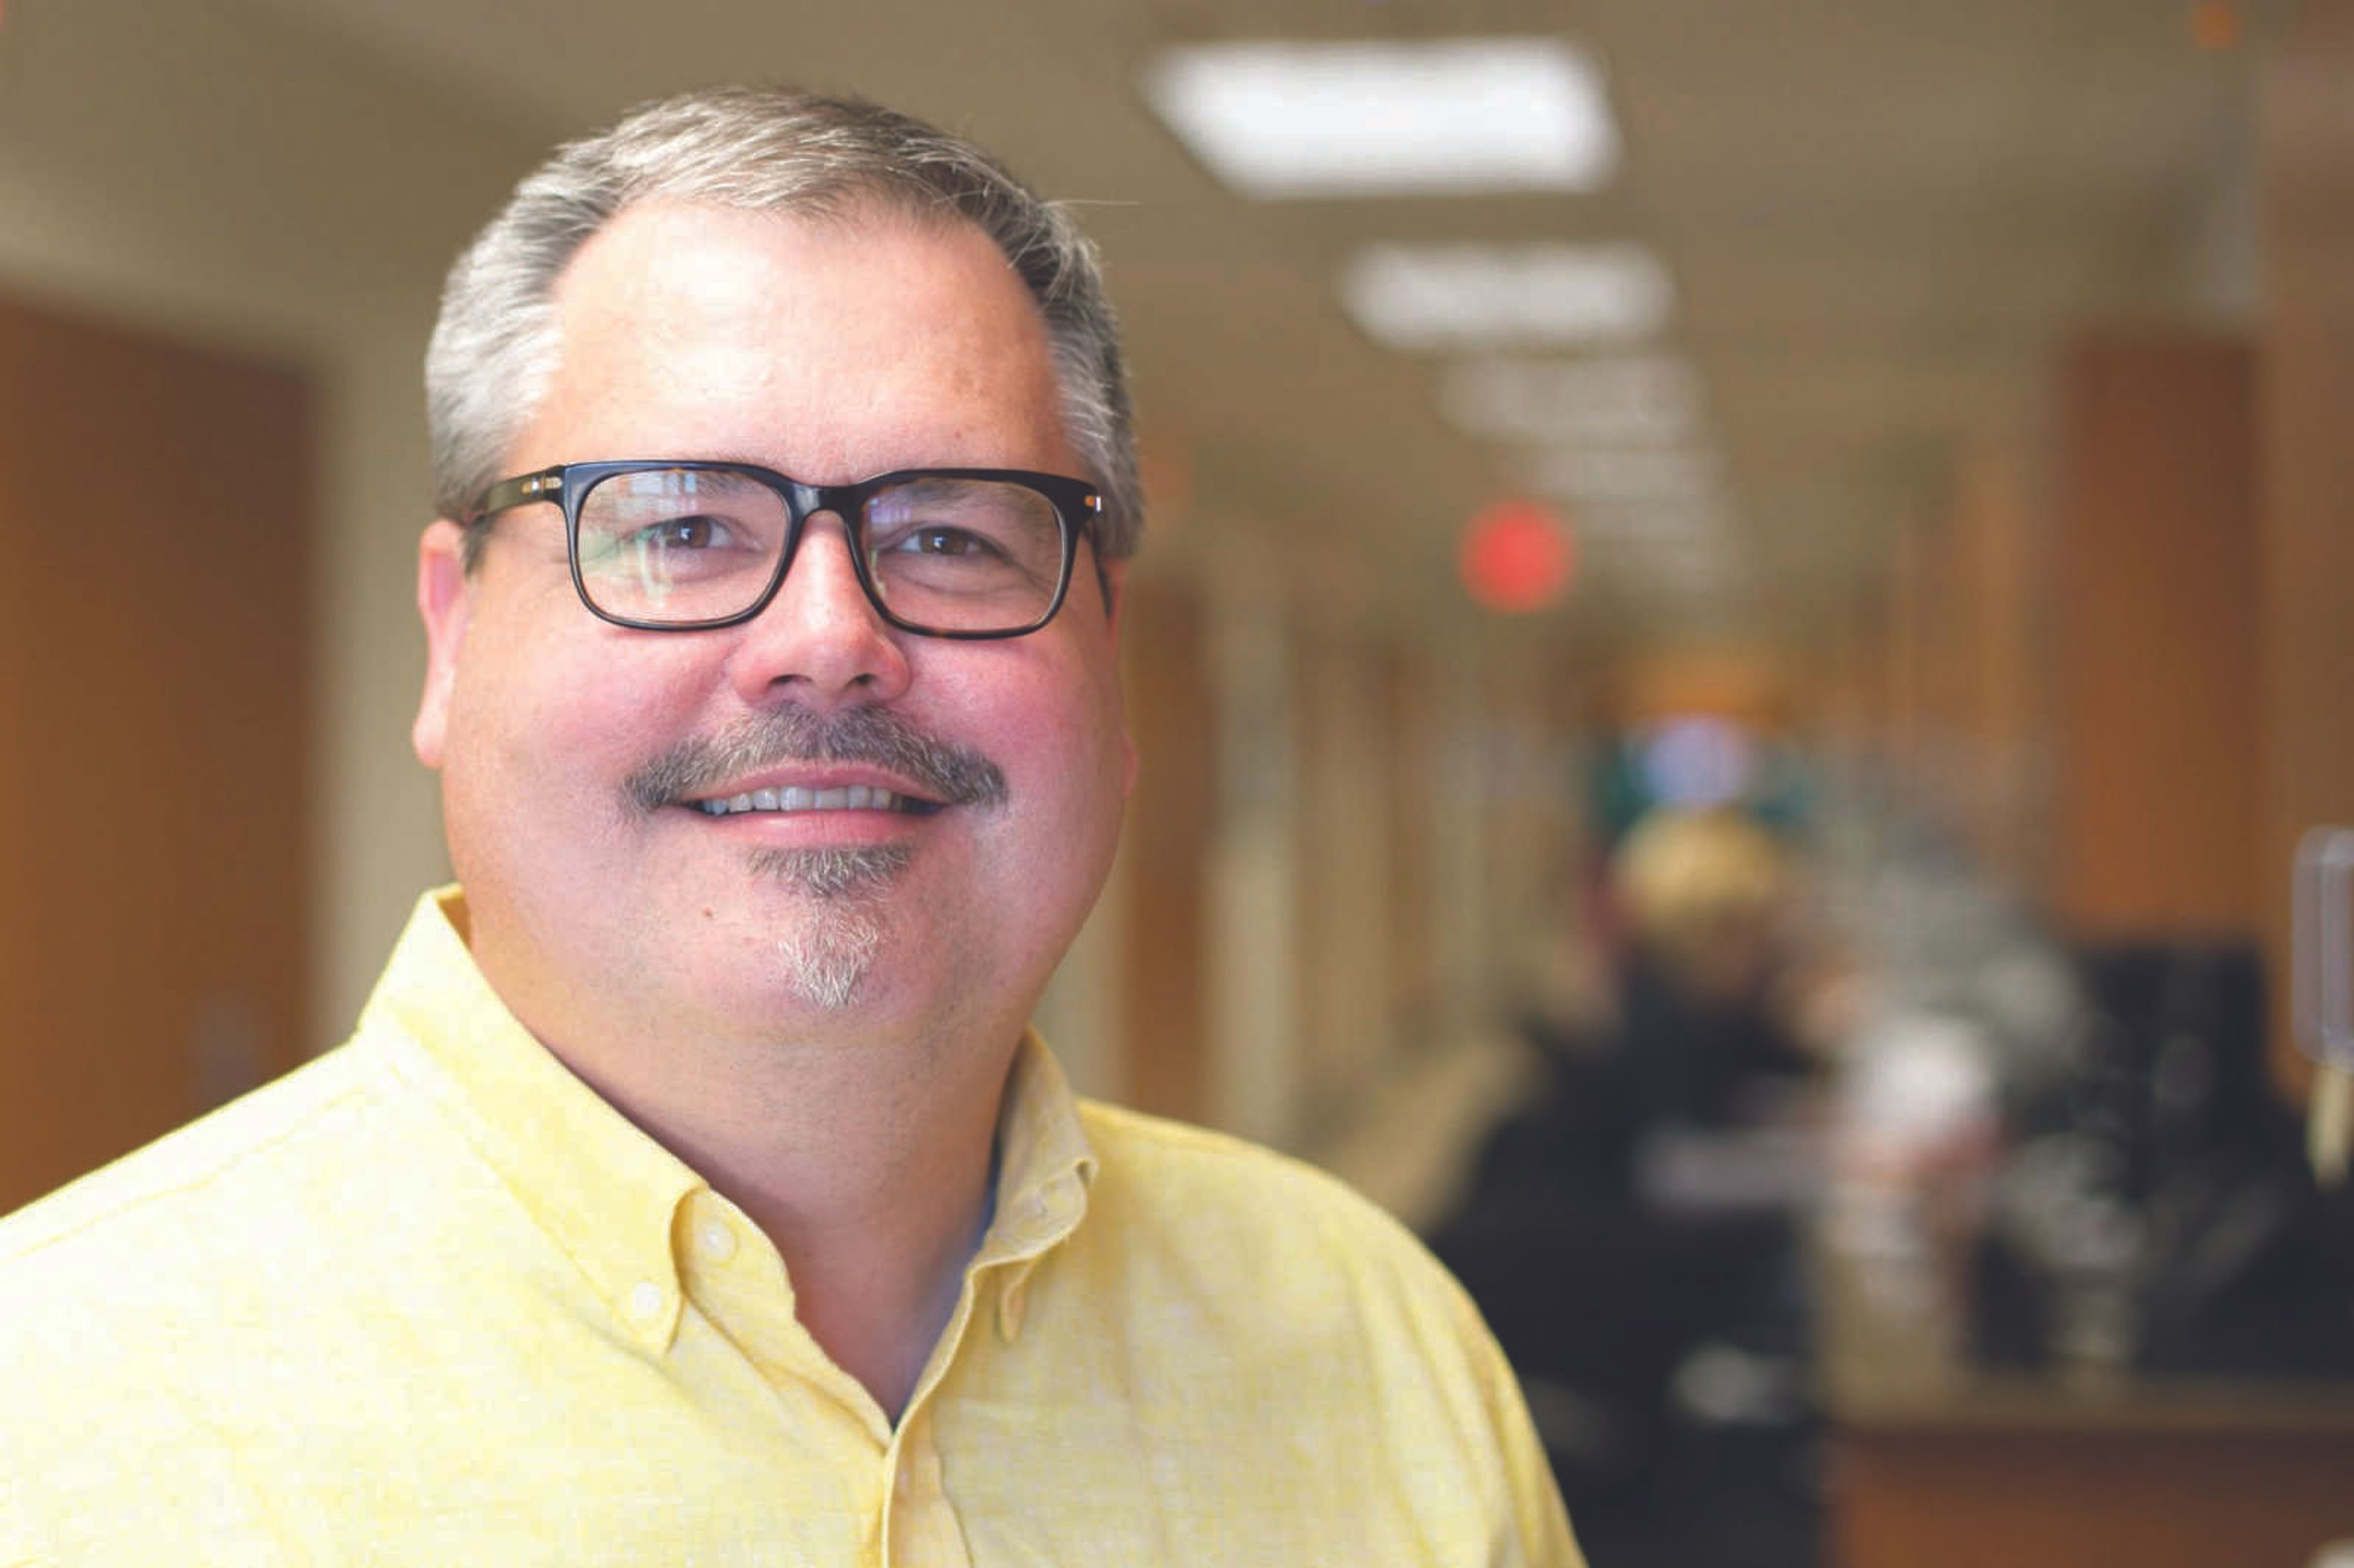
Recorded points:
(1714, 577)
(1522, 296)
(1675, 554)
(1607, 475)
(1650, 398)
(1667, 525)
(1452, 116)
(1716, 569)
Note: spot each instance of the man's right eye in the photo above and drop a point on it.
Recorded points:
(689, 545)
(700, 532)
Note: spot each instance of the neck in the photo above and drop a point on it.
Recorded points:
(867, 1166)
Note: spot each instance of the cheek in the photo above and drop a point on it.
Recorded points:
(556, 712)
(1083, 757)
(1054, 725)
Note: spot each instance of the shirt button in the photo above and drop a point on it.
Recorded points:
(719, 1241)
(646, 1300)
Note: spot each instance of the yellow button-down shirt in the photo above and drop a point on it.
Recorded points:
(430, 1300)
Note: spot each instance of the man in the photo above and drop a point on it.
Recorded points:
(691, 1190)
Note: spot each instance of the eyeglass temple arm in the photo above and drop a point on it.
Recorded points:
(547, 484)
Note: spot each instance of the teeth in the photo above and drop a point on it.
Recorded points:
(852, 798)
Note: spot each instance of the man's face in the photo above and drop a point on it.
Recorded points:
(602, 902)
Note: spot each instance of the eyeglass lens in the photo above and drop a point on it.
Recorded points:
(688, 545)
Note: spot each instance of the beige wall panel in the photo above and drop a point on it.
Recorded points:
(1346, 862)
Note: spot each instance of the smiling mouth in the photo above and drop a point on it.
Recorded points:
(851, 797)
(880, 749)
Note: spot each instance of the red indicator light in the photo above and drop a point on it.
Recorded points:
(2216, 26)
(1518, 557)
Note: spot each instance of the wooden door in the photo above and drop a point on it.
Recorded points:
(1165, 649)
(154, 591)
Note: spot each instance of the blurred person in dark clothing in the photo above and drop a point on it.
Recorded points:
(1703, 1040)
(1630, 1233)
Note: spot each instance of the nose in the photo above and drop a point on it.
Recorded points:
(820, 640)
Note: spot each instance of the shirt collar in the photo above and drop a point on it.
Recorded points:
(1044, 1163)
(1046, 1167)
(601, 1189)
(608, 1194)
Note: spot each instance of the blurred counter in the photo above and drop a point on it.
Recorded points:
(1932, 1464)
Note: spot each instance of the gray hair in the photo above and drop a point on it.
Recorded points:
(494, 346)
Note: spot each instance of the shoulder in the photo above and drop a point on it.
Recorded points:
(139, 1299)
(1288, 1307)
(168, 1181)
(194, 1234)
(1309, 1250)
(1179, 1169)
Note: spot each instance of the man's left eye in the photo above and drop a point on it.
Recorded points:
(943, 541)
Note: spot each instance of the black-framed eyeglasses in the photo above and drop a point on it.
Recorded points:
(666, 545)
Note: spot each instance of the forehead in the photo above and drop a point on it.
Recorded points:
(845, 338)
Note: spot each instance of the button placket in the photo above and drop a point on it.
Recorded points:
(646, 1306)
(715, 1238)
(921, 1528)
(1012, 1294)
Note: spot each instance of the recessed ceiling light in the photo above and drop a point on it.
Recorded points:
(1646, 398)
(1451, 116)
(1485, 296)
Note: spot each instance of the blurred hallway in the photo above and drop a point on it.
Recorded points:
(1911, 433)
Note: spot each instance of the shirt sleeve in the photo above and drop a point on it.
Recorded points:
(1539, 1521)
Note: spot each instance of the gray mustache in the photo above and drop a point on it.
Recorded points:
(953, 774)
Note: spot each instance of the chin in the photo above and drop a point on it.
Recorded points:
(826, 960)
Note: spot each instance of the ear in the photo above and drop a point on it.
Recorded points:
(444, 603)
(1113, 575)
(1115, 587)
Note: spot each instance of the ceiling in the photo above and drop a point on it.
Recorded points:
(1882, 217)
